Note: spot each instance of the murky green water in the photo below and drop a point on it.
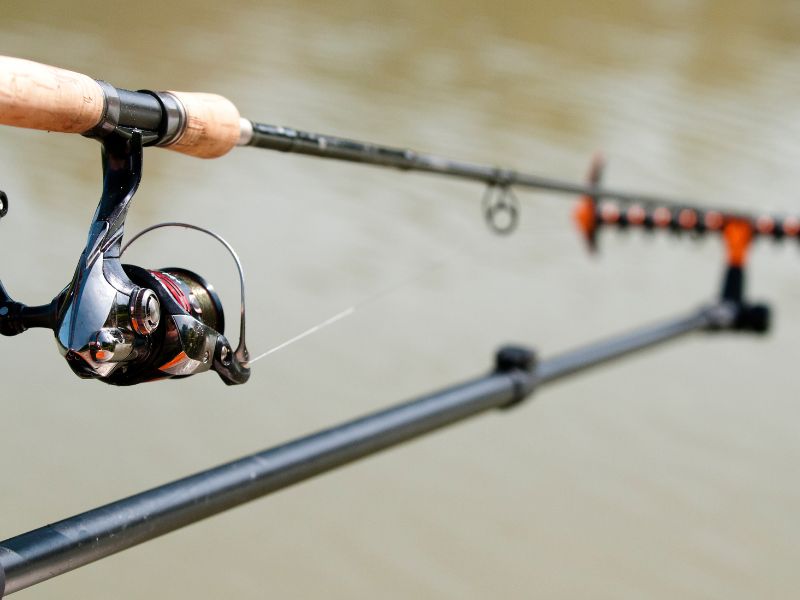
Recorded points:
(670, 474)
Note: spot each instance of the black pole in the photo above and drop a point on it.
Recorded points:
(595, 354)
(38, 555)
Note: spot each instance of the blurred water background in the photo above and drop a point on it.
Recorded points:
(670, 474)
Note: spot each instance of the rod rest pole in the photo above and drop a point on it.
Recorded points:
(54, 549)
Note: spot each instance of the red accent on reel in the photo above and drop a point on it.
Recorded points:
(174, 289)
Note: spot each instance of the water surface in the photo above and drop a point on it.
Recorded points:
(670, 474)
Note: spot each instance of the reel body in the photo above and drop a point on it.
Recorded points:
(123, 324)
(168, 326)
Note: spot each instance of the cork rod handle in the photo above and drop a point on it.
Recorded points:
(212, 125)
(38, 96)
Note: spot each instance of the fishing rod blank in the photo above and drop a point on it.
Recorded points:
(285, 139)
(41, 554)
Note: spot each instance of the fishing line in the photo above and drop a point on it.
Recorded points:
(345, 313)
(352, 309)
(377, 296)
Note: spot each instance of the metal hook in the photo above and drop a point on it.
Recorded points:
(500, 208)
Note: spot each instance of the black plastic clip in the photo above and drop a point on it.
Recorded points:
(754, 318)
(3, 204)
(519, 363)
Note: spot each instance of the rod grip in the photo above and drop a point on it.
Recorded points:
(212, 125)
(38, 96)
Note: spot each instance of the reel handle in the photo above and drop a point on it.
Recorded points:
(37, 96)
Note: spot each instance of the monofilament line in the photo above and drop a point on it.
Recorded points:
(345, 313)
(349, 311)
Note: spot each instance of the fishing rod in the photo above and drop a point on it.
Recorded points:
(123, 324)
(209, 126)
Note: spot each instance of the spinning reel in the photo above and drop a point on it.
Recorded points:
(123, 324)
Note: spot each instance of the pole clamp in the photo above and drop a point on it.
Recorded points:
(519, 363)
